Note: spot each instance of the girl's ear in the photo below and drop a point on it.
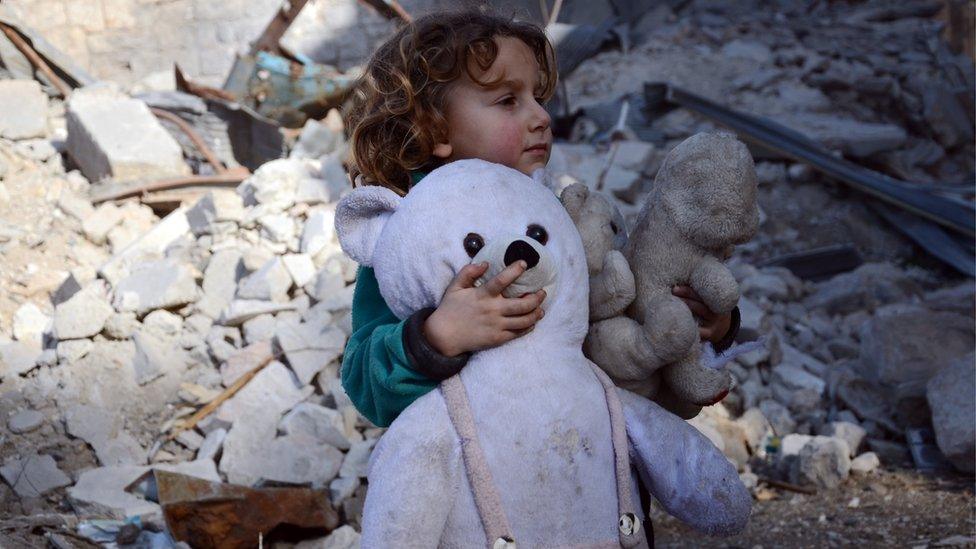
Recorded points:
(360, 218)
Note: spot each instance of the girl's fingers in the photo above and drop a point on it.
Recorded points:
(524, 322)
(467, 275)
(685, 291)
(502, 280)
(698, 308)
(518, 306)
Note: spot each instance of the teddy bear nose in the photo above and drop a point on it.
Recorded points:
(521, 249)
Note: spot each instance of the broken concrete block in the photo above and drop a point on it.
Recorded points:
(70, 350)
(277, 227)
(29, 324)
(950, 396)
(223, 342)
(33, 475)
(275, 183)
(25, 421)
(341, 489)
(326, 284)
(163, 322)
(321, 424)
(309, 347)
(357, 460)
(101, 492)
(273, 391)
(823, 461)
(242, 310)
(295, 461)
(259, 328)
(17, 358)
(865, 463)
(319, 231)
(103, 431)
(318, 138)
(243, 459)
(851, 433)
(84, 315)
(113, 136)
(220, 206)
(121, 325)
(244, 361)
(156, 285)
(23, 111)
(211, 444)
(153, 357)
(220, 279)
(190, 439)
(97, 225)
(269, 283)
(152, 245)
(300, 267)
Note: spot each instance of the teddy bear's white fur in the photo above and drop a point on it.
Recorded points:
(703, 203)
(540, 412)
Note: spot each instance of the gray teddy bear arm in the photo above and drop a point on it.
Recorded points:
(612, 290)
(687, 474)
(715, 284)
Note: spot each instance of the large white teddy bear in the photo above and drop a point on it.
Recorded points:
(530, 445)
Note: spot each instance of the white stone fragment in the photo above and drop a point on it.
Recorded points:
(156, 285)
(33, 475)
(23, 111)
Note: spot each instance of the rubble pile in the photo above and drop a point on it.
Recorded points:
(874, 84)
(207, 342)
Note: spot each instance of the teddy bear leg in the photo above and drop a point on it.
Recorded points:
(692, 381)
(670, 402)
(670, 327)
(619, 346)
(612, 290)
(648, 388)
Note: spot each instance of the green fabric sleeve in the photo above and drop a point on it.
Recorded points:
(376, 372)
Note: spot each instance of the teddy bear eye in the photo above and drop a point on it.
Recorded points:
(613, 227)
(473, 244)
(537, 233)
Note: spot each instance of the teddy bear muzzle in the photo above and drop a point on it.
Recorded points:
(540, 273)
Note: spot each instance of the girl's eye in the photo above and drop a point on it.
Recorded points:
(613, 227)
(507, 100)
(473, 244)
(537, 233)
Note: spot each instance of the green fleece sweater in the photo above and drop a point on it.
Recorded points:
(376, 371)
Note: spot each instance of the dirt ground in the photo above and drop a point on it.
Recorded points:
(886, 509)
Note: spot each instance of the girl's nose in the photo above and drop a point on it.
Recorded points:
(540, 119)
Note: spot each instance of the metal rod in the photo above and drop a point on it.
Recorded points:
(195, 137)
(36, 60)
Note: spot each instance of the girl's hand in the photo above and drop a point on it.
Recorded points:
(711, 325)
(469, 319)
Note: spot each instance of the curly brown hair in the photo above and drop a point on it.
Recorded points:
(397, 115)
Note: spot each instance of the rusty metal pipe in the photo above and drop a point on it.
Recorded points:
(198, 141)
(36, 60)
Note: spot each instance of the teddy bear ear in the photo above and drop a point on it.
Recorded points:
(360, 218)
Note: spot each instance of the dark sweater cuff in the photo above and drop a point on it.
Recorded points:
(423, 357)
(730, 336)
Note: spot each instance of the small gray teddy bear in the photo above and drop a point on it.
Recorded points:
(646, 339)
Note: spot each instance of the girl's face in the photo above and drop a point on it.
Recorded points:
(504, 123)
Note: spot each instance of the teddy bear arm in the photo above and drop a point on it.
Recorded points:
(715, 285)
(684, 470)
(414, 475)
(612, 290)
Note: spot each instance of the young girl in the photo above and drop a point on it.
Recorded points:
(450, 86)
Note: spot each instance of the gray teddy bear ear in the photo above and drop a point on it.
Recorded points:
(360, 218)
